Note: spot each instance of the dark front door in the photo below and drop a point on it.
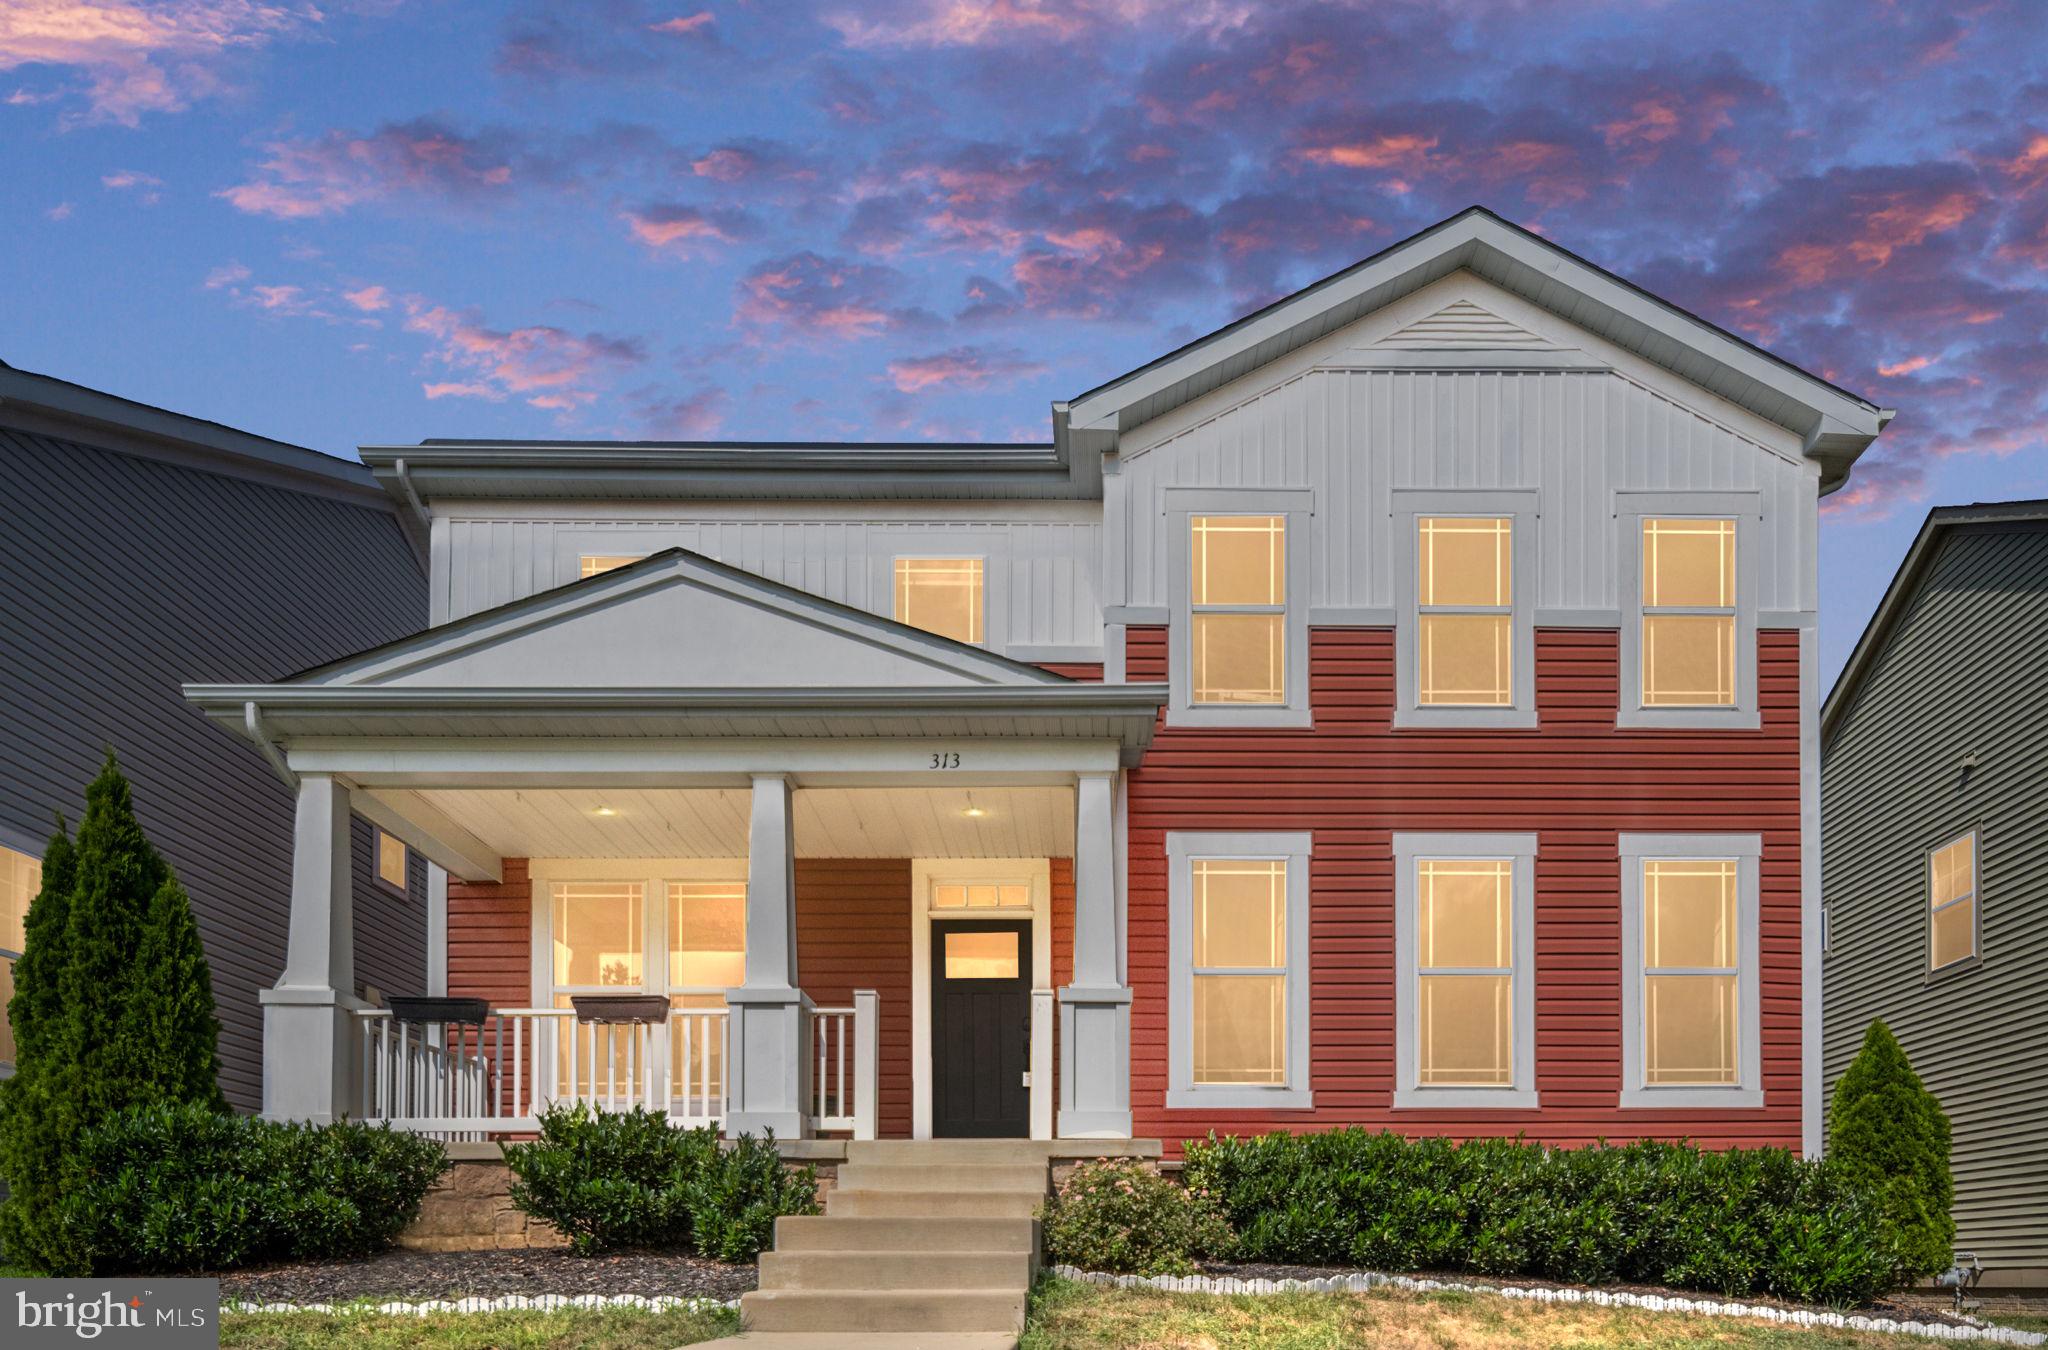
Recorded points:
(981, 1028)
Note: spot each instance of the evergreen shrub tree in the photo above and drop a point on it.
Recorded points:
(113, 1008)
(1889, 1135)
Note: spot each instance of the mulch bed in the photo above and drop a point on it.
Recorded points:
(413, 1275)
(1897, 1309)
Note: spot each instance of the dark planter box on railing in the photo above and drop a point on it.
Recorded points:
(620, 1007)
(470, 1011)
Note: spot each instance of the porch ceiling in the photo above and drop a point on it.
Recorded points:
(830, 822)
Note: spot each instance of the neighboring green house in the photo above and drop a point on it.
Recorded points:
(1934, 799)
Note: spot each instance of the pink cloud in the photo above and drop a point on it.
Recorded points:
(307, 179)
(369, 299)
(61, 211)
(227, 274)
(461, 389)
(1908, 366)
(983, 23)
(689, 25)
(961, 367)
(139, 59)
(807, 294)
(674, 227)
(549, 366)
(689, 417)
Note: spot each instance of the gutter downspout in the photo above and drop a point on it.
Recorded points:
(419, 507)
(252, 722)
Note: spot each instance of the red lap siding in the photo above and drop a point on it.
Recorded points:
(1578, 781)
(853, 932)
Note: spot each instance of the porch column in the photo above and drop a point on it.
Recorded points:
(1095, 1010)
(765, 1055)
(309, 1034)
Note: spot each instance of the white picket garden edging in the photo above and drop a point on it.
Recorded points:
(502, 1303)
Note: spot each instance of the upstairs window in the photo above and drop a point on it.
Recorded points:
(1952, 902)
(943, 596)
(1237, 588)
(595, 564)
(1688, 613)
(1465, 603)
(392, 858)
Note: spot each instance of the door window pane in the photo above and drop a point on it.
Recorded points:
(1689, 563)
(1240, 913)
(1463, 912)
(1689, 913)
(1465, 562)
(1466, 1025)
(1240, 1029)
(1688, 660)
(599, 935)
(1238, 560)
(941, 595)
(1689, 1030)
(981, 956)
(1466, 659)
(707, 934)
(1240, 658)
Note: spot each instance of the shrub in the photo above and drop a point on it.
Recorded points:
(113, 1008)
(1888, 1134)
(178, 1188)
(630, 1179)
(1735, 1222)
(1120, 1216)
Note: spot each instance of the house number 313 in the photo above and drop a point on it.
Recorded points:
(945, 759)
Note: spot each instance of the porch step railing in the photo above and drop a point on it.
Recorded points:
(462, 1081)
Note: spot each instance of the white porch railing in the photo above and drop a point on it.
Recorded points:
(462, 1081)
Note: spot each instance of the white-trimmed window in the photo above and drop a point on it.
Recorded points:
(1689, 637)
(596, 564)
(21, 877)
(1691, 1033)
(1465, 970)
(393, 859)
(1953, 922)
(944, 596)
(1465, 637)
(1238, 955)
(1239, 654)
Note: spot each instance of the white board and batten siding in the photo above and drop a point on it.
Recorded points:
(1466, 386)
(1041, 558)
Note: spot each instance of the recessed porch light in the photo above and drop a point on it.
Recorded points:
(974, 813)
(604, 811)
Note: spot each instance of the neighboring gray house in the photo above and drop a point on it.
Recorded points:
(144, 548)
(1934, 799)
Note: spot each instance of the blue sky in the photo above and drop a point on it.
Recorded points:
(383, 220)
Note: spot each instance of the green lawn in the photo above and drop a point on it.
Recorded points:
(1071, 1316)
(581, 1329)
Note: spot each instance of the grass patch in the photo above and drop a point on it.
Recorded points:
(2018, 1321)
(575, 1329)
(1068, 1315)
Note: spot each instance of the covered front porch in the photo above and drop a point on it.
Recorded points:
(891, 906)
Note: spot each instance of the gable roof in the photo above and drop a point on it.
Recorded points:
(1835, 424)
(1898, 597)
(622, 610)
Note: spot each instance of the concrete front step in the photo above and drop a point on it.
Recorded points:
(817, 1233)
(874, 1269)
(845, 1310)
(944, 1176)
(841, 1202)
(864, 1340)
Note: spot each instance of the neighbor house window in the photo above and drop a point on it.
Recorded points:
(1952, 902)
(1688, 618)
(1239, 949)
(943, 596)
(1237, 585)
(1690, 1000)
(594, 564)
(1464, 648)
(1465, 970)
(21, 877)
(392, 857)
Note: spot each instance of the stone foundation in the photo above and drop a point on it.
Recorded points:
(470, 1209)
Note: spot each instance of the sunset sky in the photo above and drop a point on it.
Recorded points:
(383, 220)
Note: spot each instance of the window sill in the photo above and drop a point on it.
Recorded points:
(1690, 719)
(1250, 716)
(1240, 1098)
(1694, 1098)
(1466, 1099)
(1478, 719)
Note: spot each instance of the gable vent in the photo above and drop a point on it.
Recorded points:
(1461, 324)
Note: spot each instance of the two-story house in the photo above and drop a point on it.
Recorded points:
(1398, 707)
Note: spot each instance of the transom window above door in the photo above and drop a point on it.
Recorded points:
(952, 895)
(944, 596)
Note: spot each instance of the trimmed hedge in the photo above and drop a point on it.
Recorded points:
(180, 1188)
(1744, 1221)
(615, 1179)
(1123, 1217)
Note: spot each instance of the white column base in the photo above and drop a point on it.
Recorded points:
(765, 1063)
(1095, 1063)
(310, 1051)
